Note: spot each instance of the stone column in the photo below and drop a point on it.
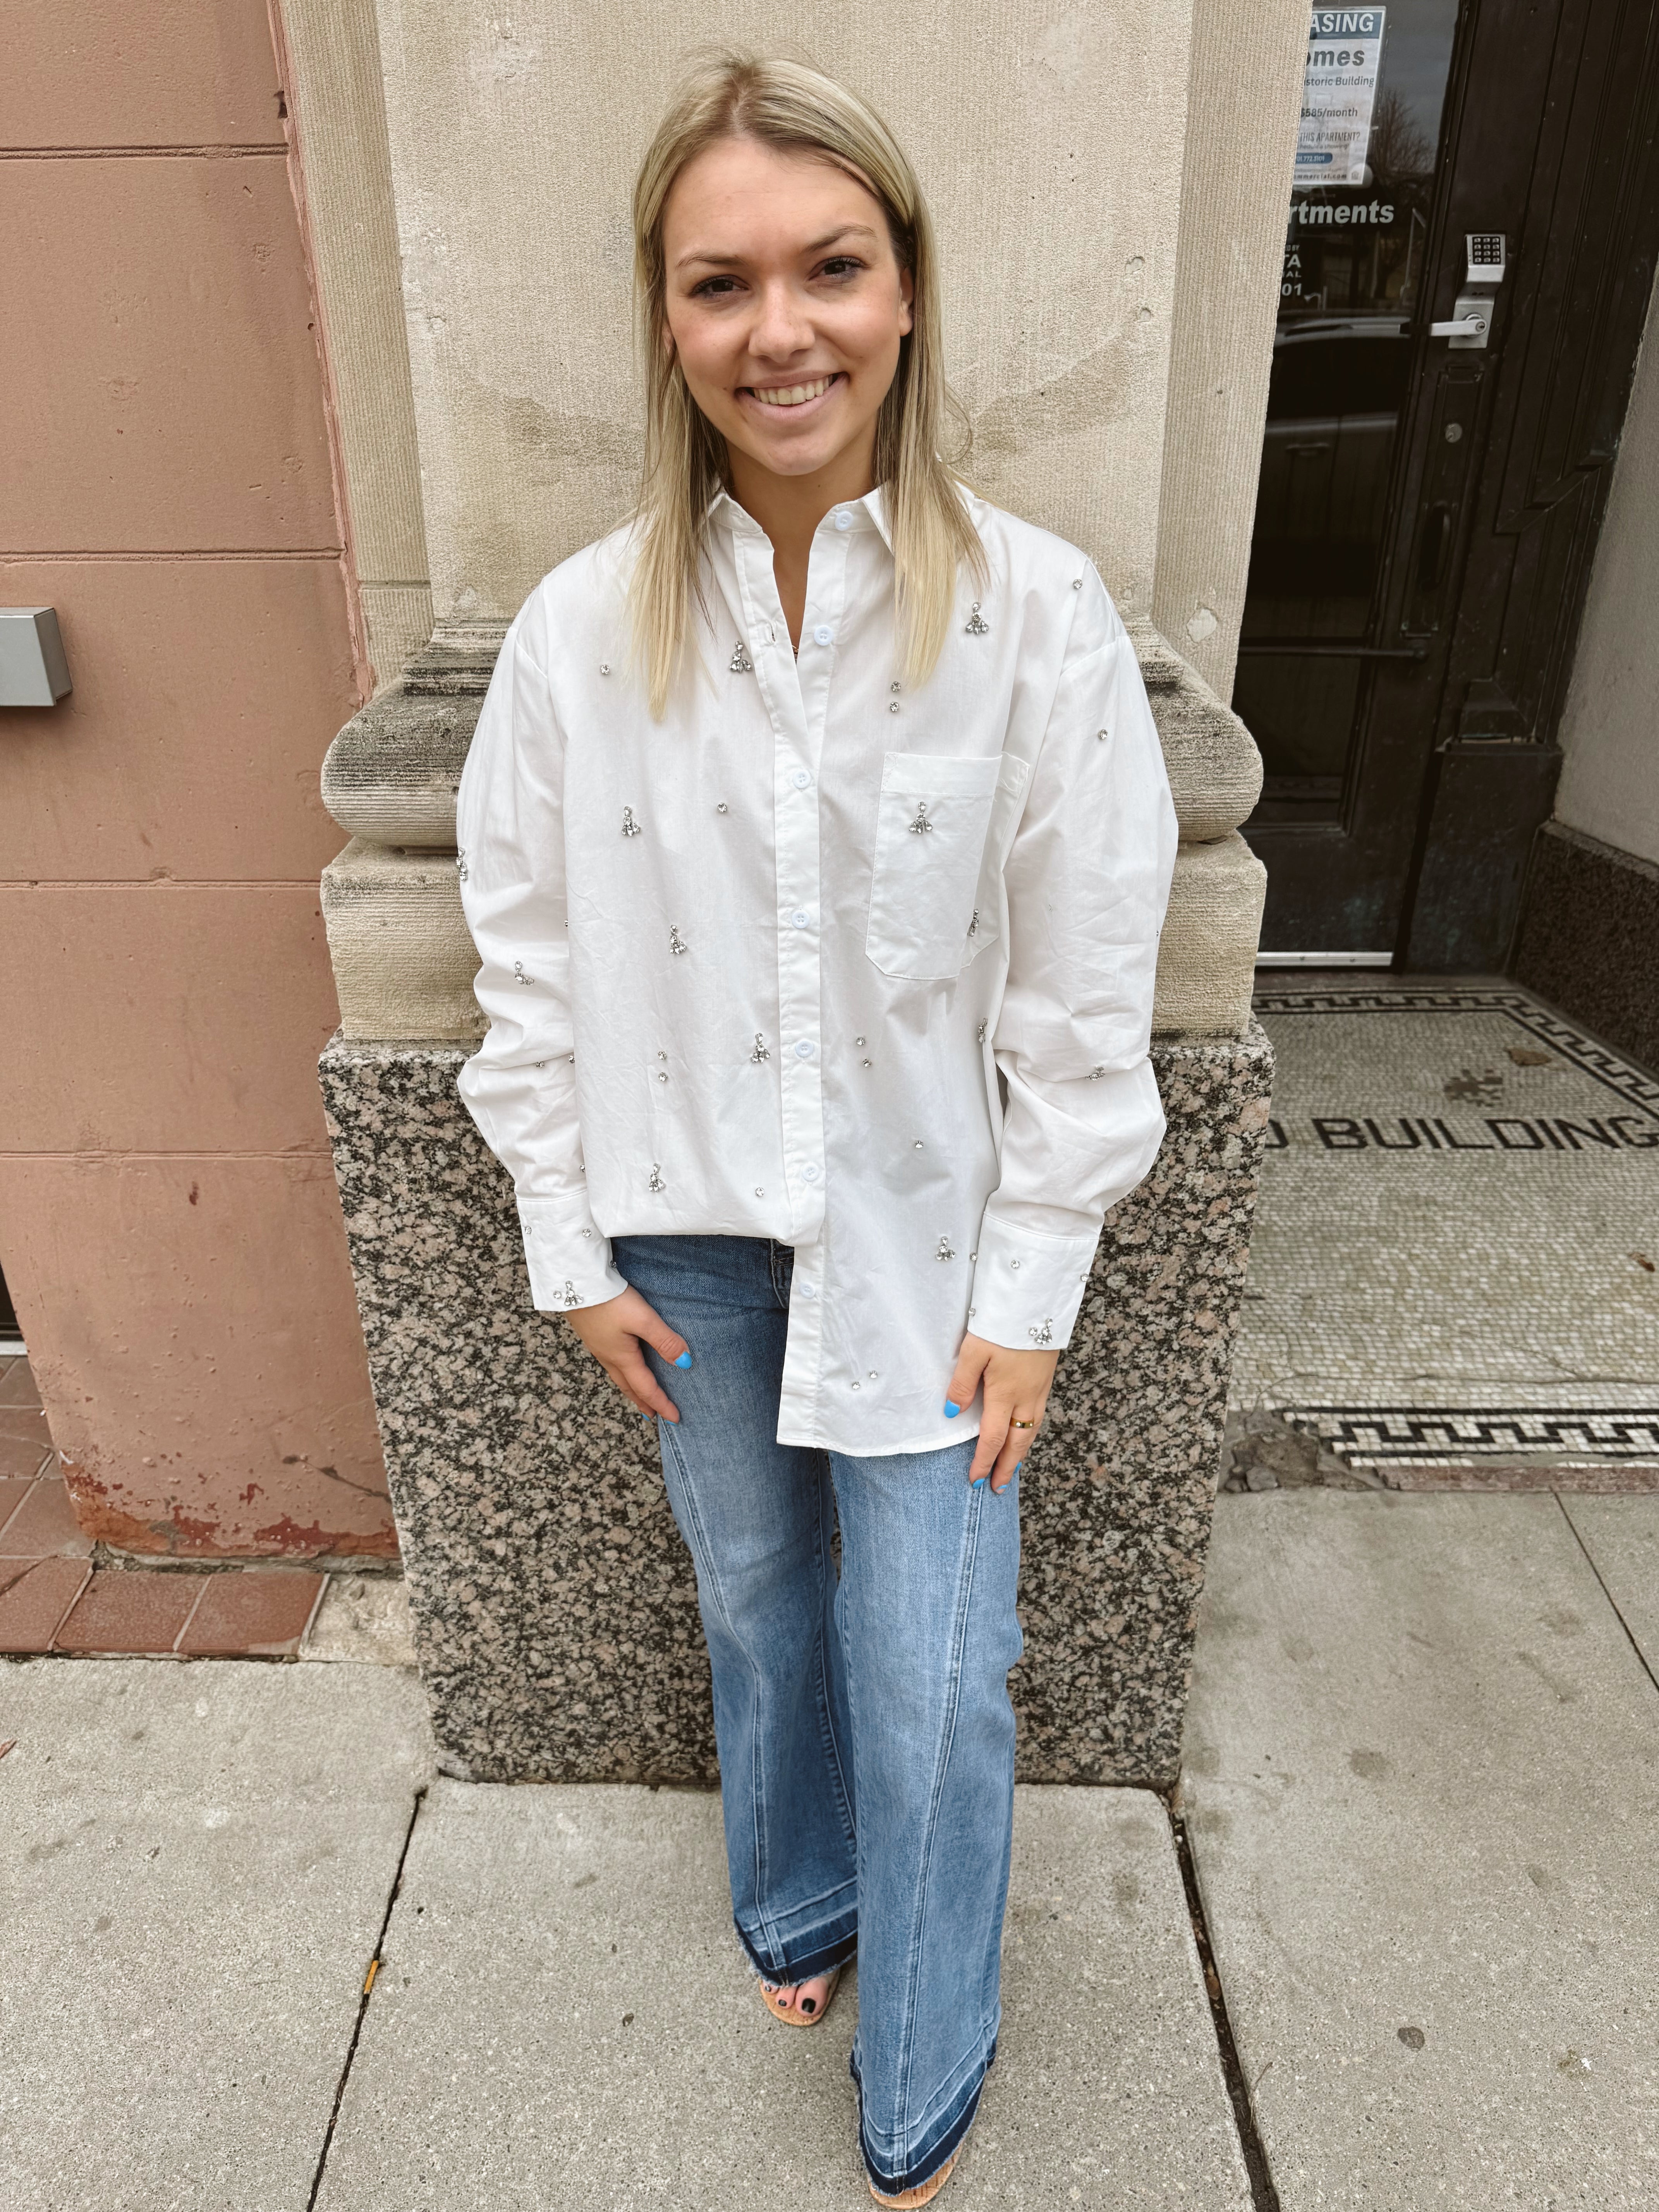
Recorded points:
(554, 1603)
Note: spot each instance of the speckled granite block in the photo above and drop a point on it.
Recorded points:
(554, 1611)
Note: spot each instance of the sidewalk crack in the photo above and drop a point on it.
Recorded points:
(362, 2003)
(1264, 2195)
(1641, 1655)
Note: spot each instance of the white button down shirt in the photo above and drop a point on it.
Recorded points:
(821, 958)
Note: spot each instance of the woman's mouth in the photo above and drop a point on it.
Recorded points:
(799, 394)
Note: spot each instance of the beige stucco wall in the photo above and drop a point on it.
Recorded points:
(1242, 114)
(1050, 138)
(329, 58)
(1610, 731)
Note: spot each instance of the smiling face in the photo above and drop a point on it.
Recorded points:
(786, 305)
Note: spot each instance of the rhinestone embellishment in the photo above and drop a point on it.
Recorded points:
(1077, 583)
(1043, 1335)
(460, 862)
(942, 1250)
(519, 975)
(605, 668)
(1094, 1075)
(740, 664)
(720, 807)
(630, 828)
(760, 1053)
(1102, 735)
(656, 1182)
(676, 942)
(922, 825)
(973, 926)
(979, 1034)
(973, 627)
(570, 1293)
(892, 707)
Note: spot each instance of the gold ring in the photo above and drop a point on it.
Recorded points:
(1021, 1424)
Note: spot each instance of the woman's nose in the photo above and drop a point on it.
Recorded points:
(781, 328)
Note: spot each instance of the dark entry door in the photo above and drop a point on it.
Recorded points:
(1428, 508)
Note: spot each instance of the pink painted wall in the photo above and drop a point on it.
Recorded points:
(169, 1226)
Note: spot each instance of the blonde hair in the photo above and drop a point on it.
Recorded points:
(795, 108)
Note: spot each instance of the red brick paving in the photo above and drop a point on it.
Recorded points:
(25, 1439)
(44, 1522)
(34, 1604)
(129, 1613)
(25, 1444)
(17, 1385)
(14, 1489)
(254, 1615)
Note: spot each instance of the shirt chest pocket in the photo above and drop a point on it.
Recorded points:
(933, 822)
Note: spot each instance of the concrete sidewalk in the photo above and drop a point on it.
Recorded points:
(1423, 1788)
(1423, 1793)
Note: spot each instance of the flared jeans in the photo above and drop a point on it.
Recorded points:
(866, 1741)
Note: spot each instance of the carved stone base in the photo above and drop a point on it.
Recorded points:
(554, 1611)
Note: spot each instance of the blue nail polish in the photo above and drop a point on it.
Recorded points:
(1018, 1465)
(951, 1409)
(977, 1479)
(684, 1360)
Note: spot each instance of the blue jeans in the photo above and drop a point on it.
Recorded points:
(866, 1741)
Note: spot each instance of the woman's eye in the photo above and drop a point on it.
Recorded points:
(842, 264)
(715, 287)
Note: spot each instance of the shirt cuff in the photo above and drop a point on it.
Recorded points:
(1028, 1287)
(569, 1261)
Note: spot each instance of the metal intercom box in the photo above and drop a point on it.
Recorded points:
(34, 672)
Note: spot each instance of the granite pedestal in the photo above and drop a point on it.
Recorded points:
(554, 1609)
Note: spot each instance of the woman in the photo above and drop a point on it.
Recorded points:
(816, 842)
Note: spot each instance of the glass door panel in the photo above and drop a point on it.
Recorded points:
(1354, 252)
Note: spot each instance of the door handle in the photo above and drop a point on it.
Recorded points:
(1470, 326)
(1432, 548)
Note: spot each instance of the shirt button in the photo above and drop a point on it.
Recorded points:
(843, 520)
(799, 917)
(807, 1292)
(800, 779)
(824, 635)
(809, 1173)
(804, 1048)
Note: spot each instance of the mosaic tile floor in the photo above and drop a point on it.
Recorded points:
(1456, 1252)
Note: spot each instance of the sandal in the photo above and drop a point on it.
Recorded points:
(924, 2192)
(787, 2014)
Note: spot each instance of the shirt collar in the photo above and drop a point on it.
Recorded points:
(868, 513)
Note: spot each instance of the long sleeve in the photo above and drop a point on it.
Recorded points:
(519, 1086)
(1087, 880)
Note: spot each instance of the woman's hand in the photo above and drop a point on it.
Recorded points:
(1016, 1386)
(612, 1332)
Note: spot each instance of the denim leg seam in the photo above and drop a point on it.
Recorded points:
(826, 1718)
(959, 1632)
(705, 1552)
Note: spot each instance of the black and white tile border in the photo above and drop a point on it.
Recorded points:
(1377, 1436)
